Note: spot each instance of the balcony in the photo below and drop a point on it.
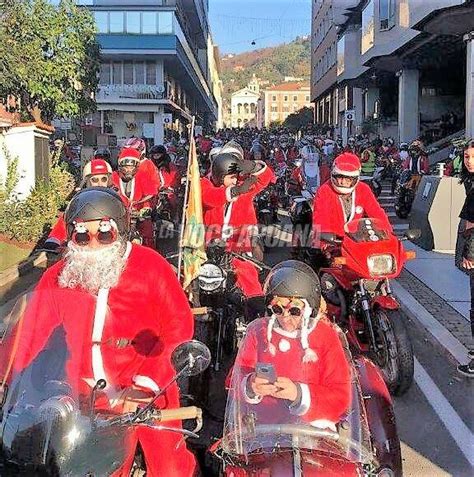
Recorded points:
(133, 93)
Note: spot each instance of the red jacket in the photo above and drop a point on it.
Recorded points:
(325, 382)
(58, 233)
(142, 186)
(423, 165)
(220, 211)
(169, 177)
(328, 211)
(285, 156)
(150, 173)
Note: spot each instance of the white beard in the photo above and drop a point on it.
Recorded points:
(92, 269)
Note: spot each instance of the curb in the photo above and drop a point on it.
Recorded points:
(19, 270)
(414, 310)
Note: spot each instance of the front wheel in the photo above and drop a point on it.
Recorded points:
(394, 353)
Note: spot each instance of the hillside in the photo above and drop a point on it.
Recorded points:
(268, 64)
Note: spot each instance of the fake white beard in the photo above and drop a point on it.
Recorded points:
(92, 269)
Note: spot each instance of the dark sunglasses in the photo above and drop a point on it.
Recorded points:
(98, 180)
(279, 310)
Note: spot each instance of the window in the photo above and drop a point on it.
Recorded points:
(116, 73)
(116, 22)
(150, 73)
(341, 45)
(165, 23)
(127, 72)
(295, 98)
(274, 109)
(133, 22)
(102, 21)
(307, 98)
(104, 73)
(286, 109)
(367, 27)
(149, 24)
(274, 98)
(139, 72)
(285, 99)
(387, 14)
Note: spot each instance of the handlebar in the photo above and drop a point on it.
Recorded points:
(181, 413)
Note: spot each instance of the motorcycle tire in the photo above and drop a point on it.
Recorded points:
(377, 189)
(402, 212)
(397, 362)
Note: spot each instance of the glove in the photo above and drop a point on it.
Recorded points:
(243, 188)
(50, 246)
(247, 167)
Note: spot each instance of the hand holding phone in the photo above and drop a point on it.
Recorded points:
(266, 371)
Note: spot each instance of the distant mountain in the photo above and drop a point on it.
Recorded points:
(270, 65)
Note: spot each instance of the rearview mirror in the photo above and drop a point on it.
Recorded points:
(329, 238)
(191, 358)
(412, 234)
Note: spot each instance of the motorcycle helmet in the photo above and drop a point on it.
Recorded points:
(159, 155)
(222, 165)
(103, 153)
(416, 147)
(294, 279)
(96, 204)
(96, 167)
(234, 148)
(128, 157)
(403, 146)
(138, 144)
(346, 165)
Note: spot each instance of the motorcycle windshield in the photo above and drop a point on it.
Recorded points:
(254, 425)
(367, 230)
(63, 399)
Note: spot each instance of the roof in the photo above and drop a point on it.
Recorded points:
(289, 87)
(243, 91)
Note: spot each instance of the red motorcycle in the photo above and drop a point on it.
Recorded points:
(357, 289)
(261, 441)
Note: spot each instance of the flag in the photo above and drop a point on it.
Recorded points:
(193, 243)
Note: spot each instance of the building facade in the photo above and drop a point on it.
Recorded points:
(400, 67)
(284, 99)
(244, 105)
(159, 67)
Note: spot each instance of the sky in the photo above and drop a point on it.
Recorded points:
(236, 23)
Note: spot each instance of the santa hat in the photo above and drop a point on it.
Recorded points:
(95, 167)
(346, 164)
(307, 325)
(129, 154)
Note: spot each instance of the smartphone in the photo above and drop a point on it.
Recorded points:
(266, 371)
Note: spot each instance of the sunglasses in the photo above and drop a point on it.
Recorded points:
(106, 234)
(292, 309)
(99, 180)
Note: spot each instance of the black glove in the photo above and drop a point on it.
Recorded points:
(243, 188)
(247, 167)
(50, 246)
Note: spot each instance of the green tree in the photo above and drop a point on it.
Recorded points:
(300, 119)
(49, 58)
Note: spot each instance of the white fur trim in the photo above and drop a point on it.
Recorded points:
(98, 328)
(305, 404)
(271, 324)
(227, 194)
(128, 250)
(336, 170)
(53, 240)
(324, 424)
(132, 190)
(248, 399)
(146, 382)
(227, 230)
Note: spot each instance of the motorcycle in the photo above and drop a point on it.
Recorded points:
(259, 441)
(266, 205)
(404, 194)
(164, 223)
(56, 417)
(357, 289)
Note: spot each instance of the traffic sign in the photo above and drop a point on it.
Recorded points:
(167, 118)
(350, 114)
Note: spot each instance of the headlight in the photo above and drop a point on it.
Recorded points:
(211, 277)
(385, 472)
(381, 264)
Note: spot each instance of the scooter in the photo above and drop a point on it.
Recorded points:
(356, 286)
(257, 442)
(405, 195)
(56, 419)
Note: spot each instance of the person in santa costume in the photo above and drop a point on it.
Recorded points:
(123, 313)
(136, 191)
(312, 378)
(96, 173)
(170, 178)
(417, 163)
(285, 154)
(344, 199)
(146, 167)
(229, 213)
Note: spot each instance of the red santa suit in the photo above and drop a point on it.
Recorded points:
(285, 156)
(422, 164)
(148, 310)
(234, 220)
(150, 173)
(324, 379)
(141, 186)
(329, 214)
(58, 234)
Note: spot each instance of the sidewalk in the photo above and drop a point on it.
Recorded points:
(436, 294)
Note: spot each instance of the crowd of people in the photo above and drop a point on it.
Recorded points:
(138, 288)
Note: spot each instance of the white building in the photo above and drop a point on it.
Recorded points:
(244, 104)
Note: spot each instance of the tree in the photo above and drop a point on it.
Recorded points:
(300, 119)
(49, 58)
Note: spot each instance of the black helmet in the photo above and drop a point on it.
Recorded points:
(95, 204)
(223, 165)
(292, 278)
(158, 149)
(102, 153)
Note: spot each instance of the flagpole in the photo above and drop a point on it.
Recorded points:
(186, 194)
